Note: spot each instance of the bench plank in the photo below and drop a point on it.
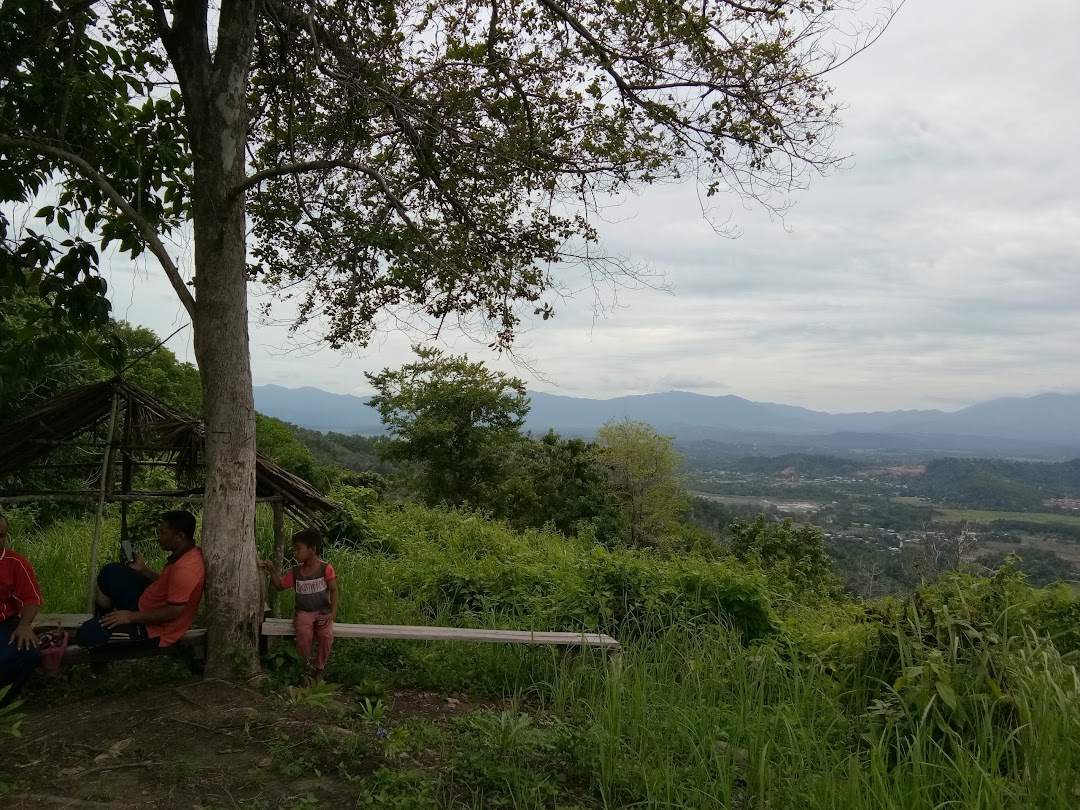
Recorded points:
(284, 627)
(65, 620)
(72, 621)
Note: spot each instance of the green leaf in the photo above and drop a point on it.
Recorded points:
(948, 696)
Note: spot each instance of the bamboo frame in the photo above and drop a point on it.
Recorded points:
(106, 464)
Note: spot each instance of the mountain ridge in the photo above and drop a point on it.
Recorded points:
(1044, 420)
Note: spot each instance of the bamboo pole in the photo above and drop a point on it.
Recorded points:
(134, 497)
(106, 462)
(279, 548)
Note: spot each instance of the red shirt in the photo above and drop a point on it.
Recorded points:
(18, 585)
(179, 583)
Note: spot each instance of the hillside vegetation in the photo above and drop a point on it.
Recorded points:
(743, 683)
(997, 484)
(748, 677)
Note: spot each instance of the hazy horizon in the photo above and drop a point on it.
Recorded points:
(531, 390)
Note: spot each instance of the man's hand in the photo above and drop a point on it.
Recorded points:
(138, 563)
(117, 618)
(24, 638)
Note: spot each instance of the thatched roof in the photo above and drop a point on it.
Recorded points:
(151, 425)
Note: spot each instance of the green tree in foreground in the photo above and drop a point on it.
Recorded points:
(454, 420)
(395, 160)
(644, 470)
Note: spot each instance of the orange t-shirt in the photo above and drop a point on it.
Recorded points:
(180, 583)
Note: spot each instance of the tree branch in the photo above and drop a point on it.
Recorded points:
(319, 165)
(603, 53)
(146, 230)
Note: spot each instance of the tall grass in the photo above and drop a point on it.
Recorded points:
(826, 708)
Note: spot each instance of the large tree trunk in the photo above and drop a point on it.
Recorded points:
(221, 346)
(215, 90)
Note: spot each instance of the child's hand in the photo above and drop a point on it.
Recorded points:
(267, 566)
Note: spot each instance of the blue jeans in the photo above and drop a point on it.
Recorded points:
(124, 587)
(16, 665)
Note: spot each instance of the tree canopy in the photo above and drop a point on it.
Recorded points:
(415, 158)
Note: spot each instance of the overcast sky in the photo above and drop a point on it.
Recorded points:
(941, 268)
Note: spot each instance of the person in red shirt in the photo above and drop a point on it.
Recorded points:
(20, 598)
(144, 606)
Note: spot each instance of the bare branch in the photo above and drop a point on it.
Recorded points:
(146, 230)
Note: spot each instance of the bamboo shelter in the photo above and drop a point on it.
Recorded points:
(112, 429)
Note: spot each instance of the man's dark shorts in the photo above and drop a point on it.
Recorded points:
(124, 587)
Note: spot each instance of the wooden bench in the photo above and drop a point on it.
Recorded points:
(195, 637)
(284, 627)
(276, 628)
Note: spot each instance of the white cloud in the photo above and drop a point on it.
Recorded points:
(940, 268)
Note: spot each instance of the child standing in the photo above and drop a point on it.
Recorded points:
(316, 588)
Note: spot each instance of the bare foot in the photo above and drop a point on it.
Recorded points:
(318, 676)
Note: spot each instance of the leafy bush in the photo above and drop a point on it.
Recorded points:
(794, 556)
(621, 591)
(284, 666)
(350, 526)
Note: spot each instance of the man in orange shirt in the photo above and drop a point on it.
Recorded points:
(150, 608)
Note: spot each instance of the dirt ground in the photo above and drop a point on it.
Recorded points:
(204, 744)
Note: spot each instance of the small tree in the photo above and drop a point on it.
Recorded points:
(454, 420)
(945, 551)
(644, 470)
(278, 440)
(796, 553)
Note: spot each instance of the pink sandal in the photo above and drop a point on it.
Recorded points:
(53, 644)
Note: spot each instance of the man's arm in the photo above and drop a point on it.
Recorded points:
(144, 617)
(28, 592)
(24, 636)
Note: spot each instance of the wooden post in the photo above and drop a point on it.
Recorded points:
(279, 547)
(106, 463)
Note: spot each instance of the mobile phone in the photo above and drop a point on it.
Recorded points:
(127, 552)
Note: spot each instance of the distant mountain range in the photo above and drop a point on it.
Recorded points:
(1044, 425)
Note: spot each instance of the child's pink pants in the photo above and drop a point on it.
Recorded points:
(310, 626)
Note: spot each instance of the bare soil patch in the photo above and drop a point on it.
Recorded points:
(204, 744)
